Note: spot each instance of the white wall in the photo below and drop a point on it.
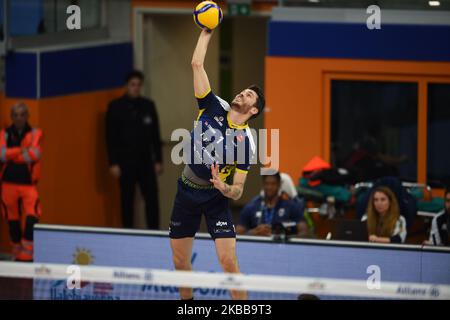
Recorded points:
(360, 15)
(115, 13)
(118, 17)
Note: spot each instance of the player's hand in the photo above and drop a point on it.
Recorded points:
(216, 181)
(262, 230)
(266, 230)
(206, 32)
(373, 238)
(115, 171)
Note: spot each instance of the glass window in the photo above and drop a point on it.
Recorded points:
(55, 14)
(438, 161)
(2, 32)
(32, 17)
(25, 17)
(374, 128)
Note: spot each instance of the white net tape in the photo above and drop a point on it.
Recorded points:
(337, 288)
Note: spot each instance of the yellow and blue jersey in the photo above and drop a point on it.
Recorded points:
(215, 139)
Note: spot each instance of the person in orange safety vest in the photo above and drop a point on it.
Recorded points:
(20, 156)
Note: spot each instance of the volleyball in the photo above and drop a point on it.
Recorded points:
(208, 15)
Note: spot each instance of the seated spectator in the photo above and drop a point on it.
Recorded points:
(384, 222)
(440, 226)
(271, 208)
(407, 203)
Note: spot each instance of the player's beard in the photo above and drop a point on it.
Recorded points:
(238, 106)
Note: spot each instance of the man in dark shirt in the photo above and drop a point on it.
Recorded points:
(134, 149)
(270, 209)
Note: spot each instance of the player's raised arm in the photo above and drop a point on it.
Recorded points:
(201, 81)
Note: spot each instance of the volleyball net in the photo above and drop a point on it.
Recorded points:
(69, 282)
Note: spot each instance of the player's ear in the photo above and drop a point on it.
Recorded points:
(254, 111)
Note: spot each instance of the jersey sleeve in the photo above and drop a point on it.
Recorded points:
(243, 164)
(243, 167)
(211, 104)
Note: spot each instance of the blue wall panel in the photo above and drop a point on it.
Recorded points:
(68, 71)
(355, 41)
(268, 258)
(21, 75)
(84, 70)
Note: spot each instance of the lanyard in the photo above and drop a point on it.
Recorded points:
(268, 213)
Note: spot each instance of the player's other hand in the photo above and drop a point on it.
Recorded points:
(115, 171)
(206, 32)
(262, 230)
(216, 181)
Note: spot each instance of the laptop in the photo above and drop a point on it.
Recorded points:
(349, 230)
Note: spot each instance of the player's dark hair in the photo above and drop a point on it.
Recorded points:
(135, 74)
(276, 175)
(260, 99)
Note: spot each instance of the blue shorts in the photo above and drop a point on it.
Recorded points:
(189, 206)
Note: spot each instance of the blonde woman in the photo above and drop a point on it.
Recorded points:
(384, 222)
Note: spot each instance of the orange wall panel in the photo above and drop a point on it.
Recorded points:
(75, 186)
(293, 105)
(298, 99)
(168, 4)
